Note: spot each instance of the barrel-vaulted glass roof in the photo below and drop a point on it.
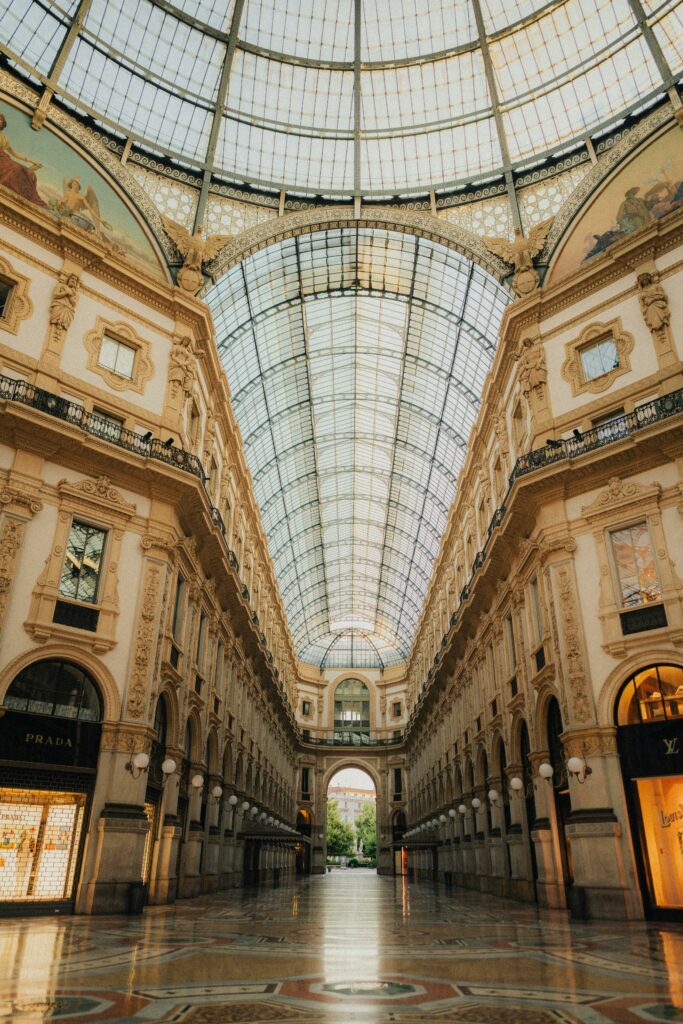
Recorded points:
(356, 359)
(351, 97)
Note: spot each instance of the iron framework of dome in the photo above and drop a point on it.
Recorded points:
(356, 359)
(373, 98)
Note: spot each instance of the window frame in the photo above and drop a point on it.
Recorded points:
(105, 531)
(616, 579)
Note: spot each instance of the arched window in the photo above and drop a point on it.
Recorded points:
(56, 688)
(654, 694)
(352, 712)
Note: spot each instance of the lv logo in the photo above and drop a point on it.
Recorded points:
(671, 746)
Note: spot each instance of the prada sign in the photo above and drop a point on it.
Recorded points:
(654, 748)
(43, 739)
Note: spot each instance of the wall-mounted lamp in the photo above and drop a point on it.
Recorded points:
(476, 803)
(462, 809)
(233, 800)
(138, 764)
(263, 815)
(494, 796)
(443, 819)
(197, 781)
(579, 768)
(168, 768)
(245, 806)
(545, 770)
(254, 811)
(217, 793)
(452, 813)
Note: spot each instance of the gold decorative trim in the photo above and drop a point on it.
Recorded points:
(19, 306)
(143, 368)
(572, 370)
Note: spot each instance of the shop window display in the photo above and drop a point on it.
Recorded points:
(39, 840)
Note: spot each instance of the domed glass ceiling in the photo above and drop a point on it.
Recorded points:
(356, 360)
(351, 97)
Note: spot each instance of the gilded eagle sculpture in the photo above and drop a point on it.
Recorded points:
(520, 253)
(196, 250)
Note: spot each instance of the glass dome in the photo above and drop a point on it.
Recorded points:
(356, 359)
(378, 98)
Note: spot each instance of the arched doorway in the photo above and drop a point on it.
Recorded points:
(50, 720)
(649, 718)
(351, 839)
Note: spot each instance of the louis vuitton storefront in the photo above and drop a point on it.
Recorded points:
(650, 738)
(49, 744)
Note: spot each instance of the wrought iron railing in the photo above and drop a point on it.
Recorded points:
(646, 415)
(108, 429)
(353, 741)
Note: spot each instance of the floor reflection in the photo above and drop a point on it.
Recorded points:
(345, 947)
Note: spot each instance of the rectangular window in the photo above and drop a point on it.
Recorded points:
(82, 562)
(510, 639)
(634, 560)
(536, 618)
(397, 709)
(117, 357)
(599, 358)
(305, 781)
(306, 708)
(105, 425)
(5, 293)
(178, 607)
(398, 784)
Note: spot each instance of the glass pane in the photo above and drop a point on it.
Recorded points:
(600, 358)
(81, 570)
(5, 289)
(108, 351)
(125, 360)
(635, 564)
(660, 803)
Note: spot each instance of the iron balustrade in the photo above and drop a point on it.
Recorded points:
(369, 741)
(617, 429)
(108, 429)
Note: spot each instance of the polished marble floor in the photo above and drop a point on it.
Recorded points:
(347, 948)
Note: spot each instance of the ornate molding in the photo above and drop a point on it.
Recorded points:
(572, 369)
(384, 217)
(577, 684)
(14, 499)
(19, 307)
(618, 494)
(145, 638)
(98, 491)
(590, 742)
(143, 368)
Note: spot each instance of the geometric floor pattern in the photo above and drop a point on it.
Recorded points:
(346, 948)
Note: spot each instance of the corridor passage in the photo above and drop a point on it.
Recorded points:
(351, 948)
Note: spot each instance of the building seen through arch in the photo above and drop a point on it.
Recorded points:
(341, 405)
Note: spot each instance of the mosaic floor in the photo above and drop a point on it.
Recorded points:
(347, 947)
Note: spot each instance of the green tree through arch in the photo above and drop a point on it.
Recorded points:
(340, 837)
(366, 829)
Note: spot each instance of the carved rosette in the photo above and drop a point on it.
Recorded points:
(145, 639)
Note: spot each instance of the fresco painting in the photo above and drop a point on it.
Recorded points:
(647, 188)
(44, 171)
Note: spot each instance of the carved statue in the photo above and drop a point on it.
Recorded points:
(63, 306)
(182, 368)
(533, 372)
(196, 250)
(654, 303)
(520, 253)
